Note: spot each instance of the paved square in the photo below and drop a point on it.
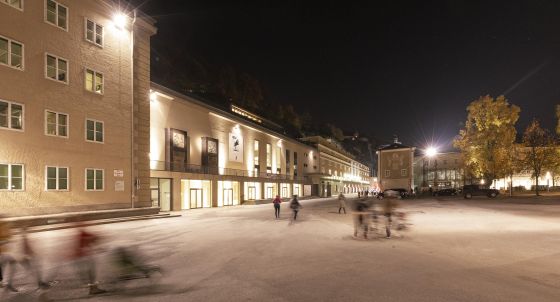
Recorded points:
(456, 250)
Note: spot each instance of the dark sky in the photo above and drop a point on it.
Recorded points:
(380, 67)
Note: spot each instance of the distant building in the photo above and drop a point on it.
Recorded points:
(395, 166)
(337, 170)
(442, 170)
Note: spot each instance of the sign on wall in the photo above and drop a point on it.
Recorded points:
(119, 186)
(235, 147)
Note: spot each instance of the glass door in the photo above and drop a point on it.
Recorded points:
(269, 192)
(228, 197)
(196, 198)
(165, 194)
(252, 193)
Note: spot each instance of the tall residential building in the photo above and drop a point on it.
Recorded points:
(74, 106)
(395, 166)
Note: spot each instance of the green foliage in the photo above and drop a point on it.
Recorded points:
(486, 141)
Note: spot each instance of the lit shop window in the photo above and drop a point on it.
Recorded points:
(56, 14)
(11, 53)
(11, 177)
(11, 115)
(57, 178)
(94, 81)
(94, 179)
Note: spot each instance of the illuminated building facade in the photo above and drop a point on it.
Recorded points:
(74, 83)
(395, 162)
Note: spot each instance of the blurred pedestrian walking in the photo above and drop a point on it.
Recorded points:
(5, 258)
(341, 203)
(84, 256)
(390, 203)
(30, 261)
(295, 206)
(277, 201)
(361, 219)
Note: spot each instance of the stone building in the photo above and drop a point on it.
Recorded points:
(395, 166)
(74, 106)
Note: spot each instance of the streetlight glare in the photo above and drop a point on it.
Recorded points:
(119, 19)
(431, 151)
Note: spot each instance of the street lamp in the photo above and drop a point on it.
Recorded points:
(428, 152)
(119, 19)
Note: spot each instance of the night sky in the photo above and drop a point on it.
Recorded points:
(379, 67)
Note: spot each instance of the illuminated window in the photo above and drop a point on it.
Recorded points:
(56, 14)
(56, 178)
(94, 32)
(11, 115)
(11, 53)
(94, 179)
(94, 81)
(11, 177)
(56, 68)
(268, 158)
(256, 157)
(56, 124)
(14, 3)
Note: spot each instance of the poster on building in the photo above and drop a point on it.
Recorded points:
(235, 147)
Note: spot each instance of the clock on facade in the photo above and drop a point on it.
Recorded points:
(212, 148)
(178, 140)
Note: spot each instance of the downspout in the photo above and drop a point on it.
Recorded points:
(133, 179)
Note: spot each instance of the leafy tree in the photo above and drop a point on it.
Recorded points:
(540, 152)
(486, 142)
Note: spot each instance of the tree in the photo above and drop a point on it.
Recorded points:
(486, 142)
(540, 150)
(558, 116)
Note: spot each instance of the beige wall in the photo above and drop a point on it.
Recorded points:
(29, 87)
(394, 161)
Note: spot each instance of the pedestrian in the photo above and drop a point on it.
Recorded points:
(84, 256)
(341, 203)
(295, 206)
(360, 219)
(5, 258)
(30, 261)
(277, 201)
(388, 208)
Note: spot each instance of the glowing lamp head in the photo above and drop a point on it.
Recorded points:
(120, 20)
(431, 151)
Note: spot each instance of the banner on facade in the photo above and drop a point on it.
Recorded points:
(235, 148)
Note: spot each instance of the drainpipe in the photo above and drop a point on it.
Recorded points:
(133, 180)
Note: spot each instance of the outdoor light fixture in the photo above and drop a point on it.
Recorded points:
(431, 151)
(120, 20)
(153, 96)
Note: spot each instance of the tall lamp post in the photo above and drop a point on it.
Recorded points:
(430, 152)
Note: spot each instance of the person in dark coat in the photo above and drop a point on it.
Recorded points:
(295, 206)
(277, 201)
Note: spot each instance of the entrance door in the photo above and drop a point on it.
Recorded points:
(196, 198)
(296, 190)
(165, 194)
(269, 192)
(285, 192)
(252, 193)
(228, 197)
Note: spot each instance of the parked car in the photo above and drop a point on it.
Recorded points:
(403, 193)
(445, 192)
(479, 190)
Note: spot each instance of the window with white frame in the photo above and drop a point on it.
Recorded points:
(94, 131)
(14, 3)
(56, 123)
(94, 179)
(56, 178)
(11, 53)
(56, 14)
(387, 173)
(94, 32)
(403, 172)
(94, 81)
(11, 115)
(56, 68)
(11, 177)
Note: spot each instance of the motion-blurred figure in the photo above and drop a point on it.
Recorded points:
(389, 206)
(84, 253)
(277, 201)
(30, 261)
(295, 206)
(5, 258)
(341, 203)
(361, 219)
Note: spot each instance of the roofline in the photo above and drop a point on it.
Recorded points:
(199, 101)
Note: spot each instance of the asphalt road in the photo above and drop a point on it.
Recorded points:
(456, 250)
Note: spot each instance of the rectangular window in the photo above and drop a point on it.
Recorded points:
(403, 172)
(11, 53)
(268, 156)
(56, 14)
(387, 173)
(56, 123)
(287, 161)
(56, 178)
(94, 81)
(11, 177)
(56, 68)
(11, 115)
(94, 32)
(94, 131)
(94, 179)
(14, 3)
